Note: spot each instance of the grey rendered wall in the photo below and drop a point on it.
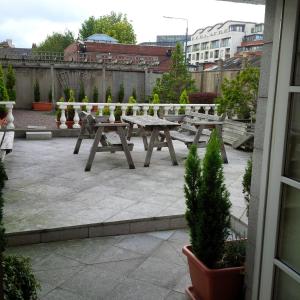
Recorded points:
(258, 141)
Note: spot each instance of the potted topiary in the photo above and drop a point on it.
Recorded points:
(37, 104)
(3, 96)
(216, 266)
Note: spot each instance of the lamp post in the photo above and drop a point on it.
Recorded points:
(186, 34)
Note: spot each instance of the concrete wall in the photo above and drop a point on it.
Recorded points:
(258, 142)
(70, 75)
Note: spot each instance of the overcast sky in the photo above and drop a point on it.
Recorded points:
(29, 21)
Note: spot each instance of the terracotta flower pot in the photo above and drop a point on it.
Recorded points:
(42, 106)
(213, 284)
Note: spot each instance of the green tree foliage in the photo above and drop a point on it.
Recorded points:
(131, 100)
(56, 42)
(106, 111)
(171, 84)
(95, 94)
(184, 99)
(81, 93)
(10, 83)
(239, 95)
(3, 90)
(36, 91)
(247, 183)
(134, 93)
(114, 24)
(121, 93)
(155, 100)
(70, 110)
(108, 94)
(208, 204)
(67, 93)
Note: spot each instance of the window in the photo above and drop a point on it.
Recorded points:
(216, 54)
(197, 56)
(237, 27)
(202, 55)
(206, 55)
(215, 44)
(225, 42)
(196, 47)
(205, 46)
(189, 48)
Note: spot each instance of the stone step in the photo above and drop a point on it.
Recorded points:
(38, 135)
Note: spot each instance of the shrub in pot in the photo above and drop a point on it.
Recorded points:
(213, 271)
(37, 104)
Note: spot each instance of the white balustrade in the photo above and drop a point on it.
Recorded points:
(173, 109)
(10, 117)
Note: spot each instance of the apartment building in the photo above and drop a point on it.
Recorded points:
(223, 41)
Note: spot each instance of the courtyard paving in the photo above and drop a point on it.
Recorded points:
(147, 266)
(48, 188)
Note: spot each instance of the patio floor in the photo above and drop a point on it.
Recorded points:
(146, 266)
(48, 188)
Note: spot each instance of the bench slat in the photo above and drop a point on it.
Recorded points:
(1, 137)
(8, 141)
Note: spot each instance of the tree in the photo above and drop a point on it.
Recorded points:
(56, 42)
(108, 94)
(3, 91)
(121, 93)
(171, 84)
(95, 94)
(239, 95)
(36, 91)
(10, 83)
(114, 24)
(134, 93)
(184, 99)
(81, 93)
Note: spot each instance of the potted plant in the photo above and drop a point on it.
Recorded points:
(247, 184)
(95, 98)
(216, 266)
(70, 112)
(37, 104)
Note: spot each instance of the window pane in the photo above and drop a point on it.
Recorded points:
(292, 166)
(289, 230)
(285, 288)
(297, 59)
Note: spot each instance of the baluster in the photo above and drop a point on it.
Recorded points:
(134, 110)
(145, 110)
(76, 116)
(166, 111)
(215, 110)
(206, 109)
(187, 109)
(177, 108)
(89, 109)
(63, 117)
(112, 118)
(10, 118)
(155, 111)
(123, 108)
(100, 108)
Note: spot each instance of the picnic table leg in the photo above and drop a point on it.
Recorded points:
(129, 133)
(153, 137)
(198, 135)
(79, 140)
(125, 147)
(170, 147)
(223, 151)
(94, 149)
(144, 137)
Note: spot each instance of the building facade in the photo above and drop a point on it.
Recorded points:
(221, 41)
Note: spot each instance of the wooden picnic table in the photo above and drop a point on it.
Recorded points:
(153, 125)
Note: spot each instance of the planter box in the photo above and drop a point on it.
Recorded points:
(42, 106)
(213, 284)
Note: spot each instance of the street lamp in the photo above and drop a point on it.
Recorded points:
(186, 33)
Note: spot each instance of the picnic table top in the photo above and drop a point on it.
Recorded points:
(205, 122)
(149, 121)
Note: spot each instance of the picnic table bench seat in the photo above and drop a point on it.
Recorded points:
(6, 143)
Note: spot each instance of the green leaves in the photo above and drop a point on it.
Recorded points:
(239, 95)
(114, 24)
(56, 42)
(207, 201)
(36, 91)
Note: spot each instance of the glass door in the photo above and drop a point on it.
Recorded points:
(280, 270)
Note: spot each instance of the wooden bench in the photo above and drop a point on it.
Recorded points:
(111, 137)
(194, 126)
(6, 143)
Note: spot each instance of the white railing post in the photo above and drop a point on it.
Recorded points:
(100, 108)
(206, 109)
(76, 116)
(166, 111)
(177, 108)
(215, 110)
(89, 109)
(10, 118)
(134, 110)
(145, 110)
(155, 111)
(63, 117)
(123, 108)
(112, 118)
(187, 109)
